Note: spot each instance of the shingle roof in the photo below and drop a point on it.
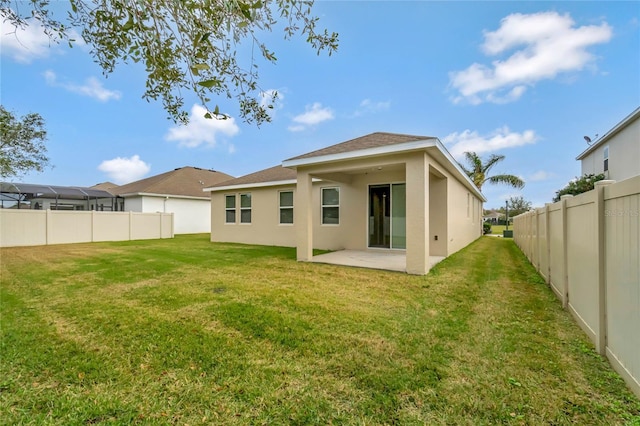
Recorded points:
(107, 186)
(185, 181)
(272, 174)
(372, 140)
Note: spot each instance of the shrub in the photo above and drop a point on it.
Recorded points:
(579, 185)
(486, 227)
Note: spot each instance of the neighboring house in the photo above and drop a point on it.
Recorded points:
(493, 216)
(380, 192)
(179, 191)
(617, 152)
(55, 197)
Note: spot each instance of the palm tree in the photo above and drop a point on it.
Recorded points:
(478, 171)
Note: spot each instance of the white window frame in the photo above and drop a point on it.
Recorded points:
(244, 209)
(227, 209)
(281, 207)
(605, 162)
(323, 205)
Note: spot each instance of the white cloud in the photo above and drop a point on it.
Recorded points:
(314, 114)
(549, 44)
(26, 44)
(92, 87)
(540, 176)
(125, 170)
(201, 130)
(367, 106)
(296, 128)
(471, 141)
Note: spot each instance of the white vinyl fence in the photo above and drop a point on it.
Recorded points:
(587, 249)
(42, 227)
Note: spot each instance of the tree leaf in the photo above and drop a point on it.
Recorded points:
(129, 24)
(210, 83)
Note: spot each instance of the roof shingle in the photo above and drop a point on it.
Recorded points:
(372, 140)
(272, 174)
(185, 181)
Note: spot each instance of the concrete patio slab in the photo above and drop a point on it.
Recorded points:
(385, 260)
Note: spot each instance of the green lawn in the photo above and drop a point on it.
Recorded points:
(188, 332)
(497, 229)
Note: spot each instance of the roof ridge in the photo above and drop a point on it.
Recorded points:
(370, 140)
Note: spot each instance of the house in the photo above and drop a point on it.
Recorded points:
(55, 197)
(381, 192)
(617, 152)
(493, 216)
(178, 191)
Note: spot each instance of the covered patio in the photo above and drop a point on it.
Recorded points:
(384, 260)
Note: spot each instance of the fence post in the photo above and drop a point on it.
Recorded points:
(47, 230)
(130, 224)
(93, 226)
(601, 344)
(565, 250)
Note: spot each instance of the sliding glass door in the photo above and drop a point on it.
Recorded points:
(387, 216)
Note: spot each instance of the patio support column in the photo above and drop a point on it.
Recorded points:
(417, 178)
(303, 217)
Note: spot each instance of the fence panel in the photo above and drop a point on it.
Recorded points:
(111, 226)
(593, 246)
(622, 251)
(23, 228)
(66, 227)
(543, 245)
(556, 251)
(582, 262)
(42, 227)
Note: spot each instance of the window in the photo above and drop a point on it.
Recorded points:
(245, 208)
(286, 207)
(330, 206)
(606, 158)
(230, 208)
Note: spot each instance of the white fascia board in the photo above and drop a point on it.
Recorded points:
(461, 172)
(370, 152)
(251, 185)
(604, 138)
(148, 194)
(256, 185)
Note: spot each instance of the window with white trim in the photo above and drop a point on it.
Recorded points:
(331, 206)
(245, 208)
(230, 208)
(286, 207)
(606, 158)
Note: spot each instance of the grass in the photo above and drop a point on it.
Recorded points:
(188, 332)
(497, 229)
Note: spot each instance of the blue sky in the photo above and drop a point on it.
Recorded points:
(524, 79)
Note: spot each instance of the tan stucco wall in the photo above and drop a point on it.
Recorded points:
(438, 231)
(624, 155)
(264, 228)
(440, 192)
(463, 227)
